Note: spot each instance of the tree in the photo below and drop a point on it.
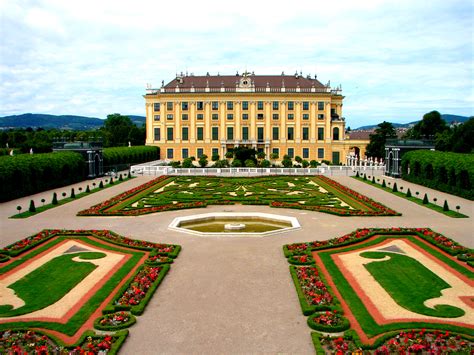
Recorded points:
(376, 147)
(203, 161)
(236, 163)
(265, 163)
(55, 199)
(457, 139)
(249, 163)
(286, 162)
(314, 163)
(221, 164)
(431, 124)
(215, 157)
(117, 129)
(32, 206)
(187, 163)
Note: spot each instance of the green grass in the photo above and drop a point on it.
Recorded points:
(368, 324)
(50, 282)
(65, 200)
(416, 200)
(410, 283)
(76, 321)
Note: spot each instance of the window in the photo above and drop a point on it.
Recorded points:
(230, 105)
(156, 106)
(291, 105)
(259, 116)
(275, 133)
(215, 151)
(245, 133)
(305, 133)
(169, 106)
(291, 117)
(320, 105)
(291, 152)
(276, 151)
(199, 152)
(185, 153)
(184, 105)
(200, 133)
(305, 116)
(305, 105)
(305, 153)
(215, 116)
(335, 133)
(215, 105)
(276, 116)
(230, 133)
(260, 134)
(245, 105)
(291, 133)
(185, 133)
(275, 105)
(200, 105)
(320, 133)
(169, 133)
(260, 105)
(184, 116)
(320, 153)
(245, 116)
(157, 134)
(215, 133)
(156, 117)
(320, 116)
(200, 116)
(230, 116)
(169, 153)
(169, 117)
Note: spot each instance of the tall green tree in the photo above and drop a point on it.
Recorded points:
(376, 147)
(431, 124)
(117, 130)
(457, 139)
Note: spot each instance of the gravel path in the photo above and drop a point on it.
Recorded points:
(229, 295)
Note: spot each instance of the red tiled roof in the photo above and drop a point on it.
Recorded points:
(231, 81)
(360, 135)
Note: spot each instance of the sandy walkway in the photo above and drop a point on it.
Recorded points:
(228, 295)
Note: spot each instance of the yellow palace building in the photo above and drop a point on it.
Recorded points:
(276, 114)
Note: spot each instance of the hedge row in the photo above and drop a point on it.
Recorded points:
(443, 171)
(26, 174)
(130, 155)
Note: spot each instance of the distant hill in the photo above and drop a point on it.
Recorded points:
(68, 122)
(448, 118)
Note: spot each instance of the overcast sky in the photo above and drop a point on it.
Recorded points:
(395, 60)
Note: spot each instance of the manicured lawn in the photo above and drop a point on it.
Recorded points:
(317, 193)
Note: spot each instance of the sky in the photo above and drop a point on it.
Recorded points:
(395, 60)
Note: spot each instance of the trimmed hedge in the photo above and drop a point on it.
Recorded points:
(27, 174)
(130, 155)
(444, 171)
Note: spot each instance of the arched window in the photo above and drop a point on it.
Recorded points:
(335, 134)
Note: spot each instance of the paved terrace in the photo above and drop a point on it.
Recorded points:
(230, 295)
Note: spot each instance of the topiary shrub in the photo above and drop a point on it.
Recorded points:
(120, 177)
(445, 206)
(383, 184)
(357, 173)
(373, 179)
(408, 193)
(88, 189)
(425, 199)
(101, 185)
(365, 177)
(32, 207)
(73, 193)
(55, 199)
(394, 188)
(111, 181)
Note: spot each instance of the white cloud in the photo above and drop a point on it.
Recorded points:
(394, 59)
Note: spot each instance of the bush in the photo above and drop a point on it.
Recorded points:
(130, 155)
(445, 206)
(383, 183)
(236, 163)
(55, 199)
(249, 163)
(32, 207)
(373, 179)
(357, 173)
(88, 189)
(443, 171)
(73, 194)
(408, 193)
(27, 174)
(394, 188)
(101, 185)
(425, 199)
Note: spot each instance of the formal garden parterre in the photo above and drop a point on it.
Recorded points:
(316, 193)
(58, 285)
(395, 290)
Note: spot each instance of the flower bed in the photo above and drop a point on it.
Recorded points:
(282, 191)
(330, 321)
(412, 341)
(115, 321)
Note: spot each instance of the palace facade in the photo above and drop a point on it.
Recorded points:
(276, 114)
